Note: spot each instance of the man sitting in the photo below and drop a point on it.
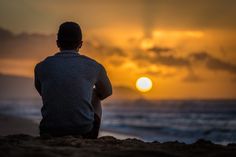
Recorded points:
(71, 86)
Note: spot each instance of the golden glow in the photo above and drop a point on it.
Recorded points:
(178, 34)
(144, 84)
(147, 43)
(139, 42)
(19, 67)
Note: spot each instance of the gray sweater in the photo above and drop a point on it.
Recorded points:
(66, 82)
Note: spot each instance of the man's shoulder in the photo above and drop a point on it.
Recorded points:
(87, 59)
(48, 58)
(90, 60)
(40, 63)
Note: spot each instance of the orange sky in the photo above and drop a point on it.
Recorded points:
(187, 48)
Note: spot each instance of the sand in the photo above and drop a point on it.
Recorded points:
(30, 144)
(107, 146)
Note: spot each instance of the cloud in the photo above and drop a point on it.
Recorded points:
(5, 34)
(213, 63)
(160, 50)
(160, 73)
(39, 46)
(172, 61)
(116, 61)
(162, 59)
(25, 45)
(199, 56)
(104, 49)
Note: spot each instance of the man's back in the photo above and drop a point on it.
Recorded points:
(66, 81)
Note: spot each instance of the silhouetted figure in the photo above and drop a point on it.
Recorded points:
(71, 86)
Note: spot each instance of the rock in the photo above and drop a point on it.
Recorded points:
(107, 146)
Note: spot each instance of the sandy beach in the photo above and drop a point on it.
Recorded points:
(19, 137)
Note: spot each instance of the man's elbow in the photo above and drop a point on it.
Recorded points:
(109, 93)
(38, 90)
(106, 94)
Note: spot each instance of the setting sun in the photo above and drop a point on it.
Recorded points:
(144, 84)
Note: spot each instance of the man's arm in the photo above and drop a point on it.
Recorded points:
(103, 86)
(37, 83)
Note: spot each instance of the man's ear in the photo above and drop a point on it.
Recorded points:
(80, 44)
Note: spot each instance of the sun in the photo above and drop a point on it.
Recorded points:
(144, 84)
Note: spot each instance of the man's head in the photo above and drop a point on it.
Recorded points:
(69, 36)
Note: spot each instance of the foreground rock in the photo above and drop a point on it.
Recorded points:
(107, 146)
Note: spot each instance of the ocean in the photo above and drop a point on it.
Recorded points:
(154, 120)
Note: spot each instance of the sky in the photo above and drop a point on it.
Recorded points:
(187, 48)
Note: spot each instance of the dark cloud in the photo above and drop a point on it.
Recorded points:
(154, 73)
(116, 62)
(25, 45)
(160, 74)
(171, 61)
(103, 49)
(38, 46)
(213, 63)
(117, 51)
(5, 35)
(199, 56)
(159, 59)
(210, 62)
(160, 50)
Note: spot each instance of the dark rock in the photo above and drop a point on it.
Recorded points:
(203, 142)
